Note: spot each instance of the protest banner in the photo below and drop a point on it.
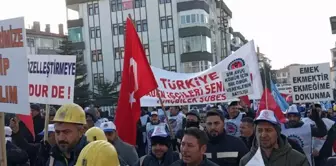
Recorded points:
(311, 83)
(51, 78)
(206, 86)
(284, 88)
(13, 63)
(237, 82)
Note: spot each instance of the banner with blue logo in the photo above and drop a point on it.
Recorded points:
(278, 98)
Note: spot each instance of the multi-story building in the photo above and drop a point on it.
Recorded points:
(43, 42)
(237, 41)
(177, 35)
(282, 75)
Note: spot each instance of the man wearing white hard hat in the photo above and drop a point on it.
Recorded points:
(154, 121)
(51, 134)
(302, 132)
(275, 149)
(125, 151)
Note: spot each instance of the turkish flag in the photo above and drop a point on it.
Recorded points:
(137, 81)
(28, 121)
(271, 105)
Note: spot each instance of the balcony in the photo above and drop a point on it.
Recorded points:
(46, 51)
(78, 45)
(196, 56)
(190, 5)
(75, 23)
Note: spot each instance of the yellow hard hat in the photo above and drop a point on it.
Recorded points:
(98, 153)
(70, 113)
(95, 134)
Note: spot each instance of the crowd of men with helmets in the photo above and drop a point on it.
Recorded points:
(230, 136)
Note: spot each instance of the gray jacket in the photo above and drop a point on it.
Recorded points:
(126, 151)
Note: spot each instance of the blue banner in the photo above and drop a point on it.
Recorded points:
(278, 98)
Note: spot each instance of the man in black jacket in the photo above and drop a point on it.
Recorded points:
(38, 121)
(193, 147)
(223, 149)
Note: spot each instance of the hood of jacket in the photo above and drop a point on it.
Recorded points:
(284, 148)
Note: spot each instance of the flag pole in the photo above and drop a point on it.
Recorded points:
(158, 95)
(265, 79)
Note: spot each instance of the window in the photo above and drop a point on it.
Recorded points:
(183, 19)
(284, 74)
(144, 25)
(90, 9)
(164, 1)
(169, 21)
(115, 29)
(146, 48)
(119, 53)
(113, 5)
(171, 47)
(170, 68)
(202, 18)
(92, 32)
(97, 55)
(94, 57)
(163, 22)
(30, 42)
(187, 19)
(193, 18)
(118, 76)
(143, 3)
(119, 5)
(96, 8)
(196, 43)
(137, 4)
(101, 78)
(121, 29)
(97, 32)
(138, 26)
(95, 79)
(165, 47)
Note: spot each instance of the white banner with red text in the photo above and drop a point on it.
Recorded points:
(51, 78)
(206, 86)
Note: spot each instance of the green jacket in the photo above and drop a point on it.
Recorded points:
(284, 156)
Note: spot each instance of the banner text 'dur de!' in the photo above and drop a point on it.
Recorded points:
(206, 86)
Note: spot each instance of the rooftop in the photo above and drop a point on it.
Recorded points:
(41, 33)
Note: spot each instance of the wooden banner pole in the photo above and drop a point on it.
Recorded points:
(3, 160)
(46, 122)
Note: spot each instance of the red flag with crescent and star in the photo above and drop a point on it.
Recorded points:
(267, 101)
(137, 81)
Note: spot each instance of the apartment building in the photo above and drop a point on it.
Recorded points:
(43, 42)
(177, 35)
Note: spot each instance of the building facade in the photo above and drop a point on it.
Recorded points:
(282, 75)
(177, 35)
(43, 42)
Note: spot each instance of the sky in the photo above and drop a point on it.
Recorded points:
(287, 31)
